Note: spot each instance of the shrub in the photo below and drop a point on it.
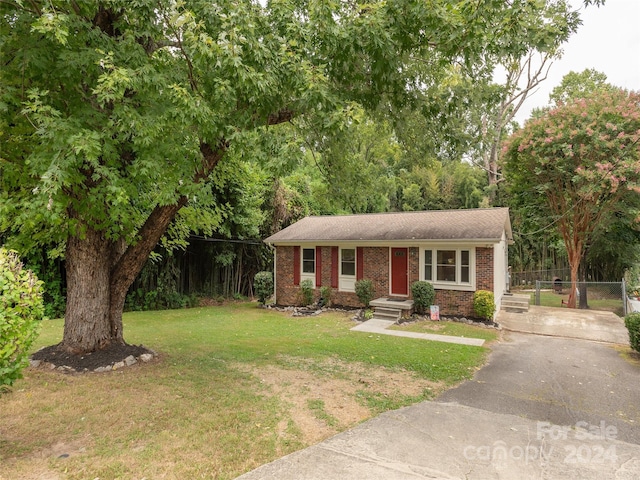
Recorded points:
(21, 308)
(364, 291)
(306, 290)
(325, 296)
(632, 322)
(263, 286)
(423, 295)
(484, 304)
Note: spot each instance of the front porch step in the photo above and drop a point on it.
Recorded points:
(515, 303)
(387, 313)
(386, 302)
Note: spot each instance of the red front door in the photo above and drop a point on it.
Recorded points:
(399, 271)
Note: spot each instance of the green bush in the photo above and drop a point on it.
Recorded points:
(423, 295)
(484, 304)
(263, 286)
(306, 290)
(632, 322)
(21, 308)
(364, 291)
(325, 296)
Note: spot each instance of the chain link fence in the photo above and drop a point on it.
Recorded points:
(528, 278)
(608, 296)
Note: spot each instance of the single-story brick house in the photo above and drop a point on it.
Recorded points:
(458, 251)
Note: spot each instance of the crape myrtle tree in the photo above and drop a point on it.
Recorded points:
(114, 114)
(577, 165)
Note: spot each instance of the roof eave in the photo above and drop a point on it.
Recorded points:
(373, 242)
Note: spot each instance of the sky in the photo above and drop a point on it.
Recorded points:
(608, 40)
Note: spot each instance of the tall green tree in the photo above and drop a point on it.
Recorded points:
(577, 167)
(576, 85)
(114, 114)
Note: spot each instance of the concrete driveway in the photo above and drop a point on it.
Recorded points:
(542, 407)
(594, 325)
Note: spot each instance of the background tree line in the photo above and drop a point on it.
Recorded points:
(394, 107)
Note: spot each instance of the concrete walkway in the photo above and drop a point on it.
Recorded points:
(595, 325)
(381, 327)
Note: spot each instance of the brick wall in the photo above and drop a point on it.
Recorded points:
(286, 292)
(454, 302)
(376, 269)
(414, 266)
(484, 269)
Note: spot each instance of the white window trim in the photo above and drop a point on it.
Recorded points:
(304, 275)
(346, 283)
(440, 285)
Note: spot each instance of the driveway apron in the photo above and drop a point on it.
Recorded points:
(558, 380)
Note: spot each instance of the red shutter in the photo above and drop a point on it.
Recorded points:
(318, 267)
(296, 265)
(359, 263)
(334, 267)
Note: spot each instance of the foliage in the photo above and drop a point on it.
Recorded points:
(632, 322)
(575, 168)
(325, 295)
(117, 119)
(365, 291)
(484, 304)
(263, 286)
(21, 309)
(158, 287)
(51, 272)
(306, 292)
(423, 295)
(576, 85)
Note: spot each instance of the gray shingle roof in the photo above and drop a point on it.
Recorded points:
(472, 225)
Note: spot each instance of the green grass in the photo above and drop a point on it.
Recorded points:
(203, 410)
(242, 332)
(595, 300)
(317, 406)
(444, 327)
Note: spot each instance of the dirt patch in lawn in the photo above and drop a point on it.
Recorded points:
(324, 398)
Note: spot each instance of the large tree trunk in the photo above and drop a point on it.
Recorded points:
(100, 271)
(99, 274)
(88, 325)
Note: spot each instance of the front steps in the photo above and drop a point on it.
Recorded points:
(387, 313)
(389, 310)
(515, 303)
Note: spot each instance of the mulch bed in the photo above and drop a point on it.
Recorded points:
(88, 361)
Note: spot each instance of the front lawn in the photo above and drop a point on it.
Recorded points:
(447, 327)
(235, 387)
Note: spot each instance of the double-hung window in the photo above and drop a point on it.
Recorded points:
(348, 261)
(308, 260)
(347, 279)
